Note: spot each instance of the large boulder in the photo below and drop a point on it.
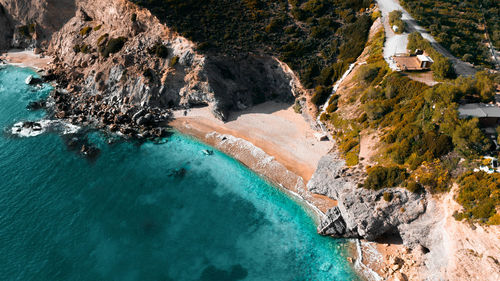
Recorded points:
(365, 213)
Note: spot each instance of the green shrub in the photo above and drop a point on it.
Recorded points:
(320, 95)
(395, 19)
(333, 104)
(102, 39)
(442, 68)
(387, 196)
(133, 18)
(368, 72)
(414, 187)
(84, 48)
(98, 27)
(382, 177)
(479, 195)
(159, 50)
(114, 45)
(173, 61)
(297, 107)
(85, 31)
(376, 15)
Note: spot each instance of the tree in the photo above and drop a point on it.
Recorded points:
(442, 68)
(395, 20)
(468, 138)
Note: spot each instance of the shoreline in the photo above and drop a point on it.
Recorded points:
(25, 58)
(285, 170)
(259, 152)
(266, 163)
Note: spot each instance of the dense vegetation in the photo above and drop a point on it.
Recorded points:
(316, 38)
(381, 177)
(479, 194)
(420, 128)
(460, 25)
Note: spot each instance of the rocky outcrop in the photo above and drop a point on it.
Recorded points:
(366, 214)
(123, 54)
(45, 17)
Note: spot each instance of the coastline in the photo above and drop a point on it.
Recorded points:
(366, 258)
(278, 145)
(271, 139)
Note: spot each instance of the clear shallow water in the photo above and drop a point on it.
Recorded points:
(126, 217)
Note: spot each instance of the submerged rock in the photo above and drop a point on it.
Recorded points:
(178, 173)
(90, 151)
(36, 105)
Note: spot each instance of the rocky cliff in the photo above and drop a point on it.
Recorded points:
(43, 16)
(126, 57)
(366, 214)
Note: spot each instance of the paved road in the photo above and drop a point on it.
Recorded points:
(396, 43)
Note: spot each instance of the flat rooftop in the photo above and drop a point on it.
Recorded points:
(479, 110)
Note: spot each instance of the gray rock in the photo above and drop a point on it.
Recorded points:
(364, 213)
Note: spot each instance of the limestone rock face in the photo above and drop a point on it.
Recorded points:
(366, 214)
(78, 33)
(48, 16)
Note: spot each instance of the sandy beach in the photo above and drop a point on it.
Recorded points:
(269, 138)
(25, 58)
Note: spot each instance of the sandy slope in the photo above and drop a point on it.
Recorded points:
(473, 251)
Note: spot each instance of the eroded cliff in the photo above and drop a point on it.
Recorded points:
(121, 55)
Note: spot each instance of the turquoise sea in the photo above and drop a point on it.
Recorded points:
(130, 216)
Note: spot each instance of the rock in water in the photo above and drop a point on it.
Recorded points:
(30, 80)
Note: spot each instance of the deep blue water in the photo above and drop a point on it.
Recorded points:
(126, 217)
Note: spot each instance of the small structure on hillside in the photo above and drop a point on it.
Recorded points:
(417, 62)
(488, 114)
(425, 61)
